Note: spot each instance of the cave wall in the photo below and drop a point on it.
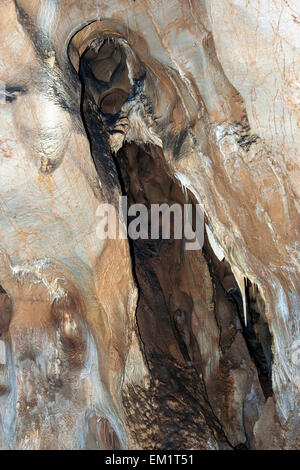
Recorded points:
(217, 87)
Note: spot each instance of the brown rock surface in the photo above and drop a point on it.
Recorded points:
(143, 344)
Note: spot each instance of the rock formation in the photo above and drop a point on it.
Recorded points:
(142, 344)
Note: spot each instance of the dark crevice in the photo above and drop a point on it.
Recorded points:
(260, 338)
(256, 333)
(6, 309)
(165, 304)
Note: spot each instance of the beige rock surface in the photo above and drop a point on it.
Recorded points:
(99, 340)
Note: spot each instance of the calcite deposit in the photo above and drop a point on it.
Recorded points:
(140, 343)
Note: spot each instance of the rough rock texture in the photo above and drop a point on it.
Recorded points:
(128, 344)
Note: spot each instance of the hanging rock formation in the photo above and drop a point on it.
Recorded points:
(142, 344)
